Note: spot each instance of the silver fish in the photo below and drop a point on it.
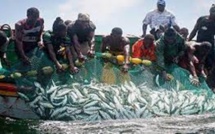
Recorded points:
(46, 104)
(23, 96)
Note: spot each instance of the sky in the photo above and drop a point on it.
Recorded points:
(106, 14)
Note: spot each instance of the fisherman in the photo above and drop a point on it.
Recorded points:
(205, 27)
(81, 33)
(67, 22)
(159, 19)
(7, 36)
(28, 34)
(194, 59)
(3, 48)
(58, 44)
(169, 48)
(184, 32)
(144, 48)
(116, 44)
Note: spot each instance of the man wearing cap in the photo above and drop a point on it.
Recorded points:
(81, 33)
(28, 34)
(169, 48)
(205, 27)
(116, 44)
(159, 19)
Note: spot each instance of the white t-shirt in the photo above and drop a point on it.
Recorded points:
(156, 18)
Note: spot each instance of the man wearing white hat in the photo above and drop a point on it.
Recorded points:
(159, 18)
(81, 33)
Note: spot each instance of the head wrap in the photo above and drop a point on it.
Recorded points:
(170, 33)
(117, 30)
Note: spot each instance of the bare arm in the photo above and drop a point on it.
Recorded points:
(127, 50)
(194, 31)
(191, 65)
(127, 53)
(146, 21)
(52, 54)
(41, 31)
(202, 67)
(144, 28)
(174, 24)
(176, 27)
(104, 44)
(77, 45)
(69, 57)
(92, 41)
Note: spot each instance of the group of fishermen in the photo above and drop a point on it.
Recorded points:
(175, 47)
(165, 45)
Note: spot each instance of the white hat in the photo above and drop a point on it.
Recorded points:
(83, 17)
(161, 2)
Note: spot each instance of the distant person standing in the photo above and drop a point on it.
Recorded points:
(28, 34)
(159, 18)
(205, 29)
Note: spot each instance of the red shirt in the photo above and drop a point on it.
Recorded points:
(139, 51)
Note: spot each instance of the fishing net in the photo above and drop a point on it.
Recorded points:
(181, 81)
(100, 90)
(43, 71)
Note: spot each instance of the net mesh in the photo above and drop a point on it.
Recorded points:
(139, 93)
(43, 71)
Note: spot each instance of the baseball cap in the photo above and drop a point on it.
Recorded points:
(161, 2)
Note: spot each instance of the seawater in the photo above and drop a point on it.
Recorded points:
(193, 124)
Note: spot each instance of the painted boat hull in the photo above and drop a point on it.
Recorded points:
(11, 105)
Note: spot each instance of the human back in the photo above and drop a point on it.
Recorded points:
(31, 31)
(81, 33)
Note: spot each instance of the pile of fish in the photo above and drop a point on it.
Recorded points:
(99, 101)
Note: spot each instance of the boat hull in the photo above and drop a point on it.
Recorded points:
(11, 105)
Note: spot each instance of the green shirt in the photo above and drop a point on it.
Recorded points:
(167, 52)
(50, 38)
(3, 48)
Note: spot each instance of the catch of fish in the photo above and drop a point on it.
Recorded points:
(100, 101)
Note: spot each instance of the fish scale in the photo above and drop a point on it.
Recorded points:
(117, 102)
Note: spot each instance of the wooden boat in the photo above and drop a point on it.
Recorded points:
(11, 105)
